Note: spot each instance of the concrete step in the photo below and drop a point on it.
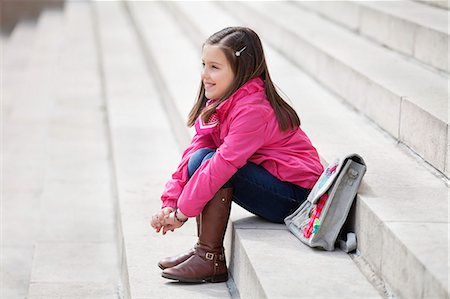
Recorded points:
(411, 28)
(436, 3)
(17, 50)
(145, 153)
(76, 250)
(15, 11)
(58, 216)
(397, 216)
(252, 263)
(3, 39)
(26, 100)
(404, 99)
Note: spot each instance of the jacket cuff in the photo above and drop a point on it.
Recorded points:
(172, 203)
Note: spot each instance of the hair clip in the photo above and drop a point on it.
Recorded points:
(238, 53)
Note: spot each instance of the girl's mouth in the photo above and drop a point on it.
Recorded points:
(208, 85)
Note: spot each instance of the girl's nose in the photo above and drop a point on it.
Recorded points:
(203, 73)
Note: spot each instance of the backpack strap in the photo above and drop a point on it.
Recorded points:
(348, 245)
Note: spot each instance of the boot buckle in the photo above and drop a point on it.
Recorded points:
(209, 256)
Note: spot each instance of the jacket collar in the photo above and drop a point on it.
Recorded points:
(251, 86)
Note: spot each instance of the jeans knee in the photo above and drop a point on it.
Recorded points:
(198, 158)
(201, 153)
(208, 156)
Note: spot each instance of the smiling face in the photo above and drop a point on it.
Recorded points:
(217, 75)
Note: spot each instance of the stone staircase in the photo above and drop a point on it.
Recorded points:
(58, 235)
(416, 96)
(94, 102)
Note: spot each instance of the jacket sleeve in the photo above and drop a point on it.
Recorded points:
(246, 135)
(175, 185)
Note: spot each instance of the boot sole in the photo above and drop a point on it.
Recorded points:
(213, 279)
(161, 266)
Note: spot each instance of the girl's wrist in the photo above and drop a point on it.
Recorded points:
(180, 217)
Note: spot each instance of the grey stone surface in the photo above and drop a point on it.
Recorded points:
(242, 219)
(395, 32)
(16, 51)
(411, 28)
(62, 224)
(346, 13)
(383, 199)
(447, 163)
(300, 277)
(254, 246)
(426, 27)
(429, 47)
(74, 262)
(16, 55)
(387, 197)
(434, 131)
(20, 219)
(58, 226)
(76, 253)
(147, 282)
(182, 88)
(426, 89)
(66, 290)
(434, 256)
(23, 147)
(16, 267)
(437, 3)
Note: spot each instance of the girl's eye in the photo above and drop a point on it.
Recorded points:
(211, 66)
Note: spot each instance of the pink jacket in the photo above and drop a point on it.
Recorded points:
(248, 131)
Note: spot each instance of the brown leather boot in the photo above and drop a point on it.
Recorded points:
(208, 262)
(172, 261)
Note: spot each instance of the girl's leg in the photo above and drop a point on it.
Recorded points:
(198, 158)
(259, 192)
(194, 162)
(207, 262)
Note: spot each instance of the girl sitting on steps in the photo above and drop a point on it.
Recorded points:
(248, 148)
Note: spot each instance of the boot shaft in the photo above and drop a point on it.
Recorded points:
(214, 220)
(208, 262)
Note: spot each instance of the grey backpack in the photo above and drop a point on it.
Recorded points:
(319, 220)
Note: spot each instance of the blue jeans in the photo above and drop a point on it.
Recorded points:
(257, 190)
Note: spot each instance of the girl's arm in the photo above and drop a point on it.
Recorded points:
(246, 135)
(175, 185)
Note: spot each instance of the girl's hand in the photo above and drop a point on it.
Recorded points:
(171, 223)
(159, 218)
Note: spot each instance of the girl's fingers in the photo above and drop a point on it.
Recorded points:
(162, 221)
(159, 219)
(167, 228)
(155, 223)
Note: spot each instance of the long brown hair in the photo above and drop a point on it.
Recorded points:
(251, 63)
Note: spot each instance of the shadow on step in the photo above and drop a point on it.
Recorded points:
(11, 11)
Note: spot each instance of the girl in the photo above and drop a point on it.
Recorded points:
(248, 148)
